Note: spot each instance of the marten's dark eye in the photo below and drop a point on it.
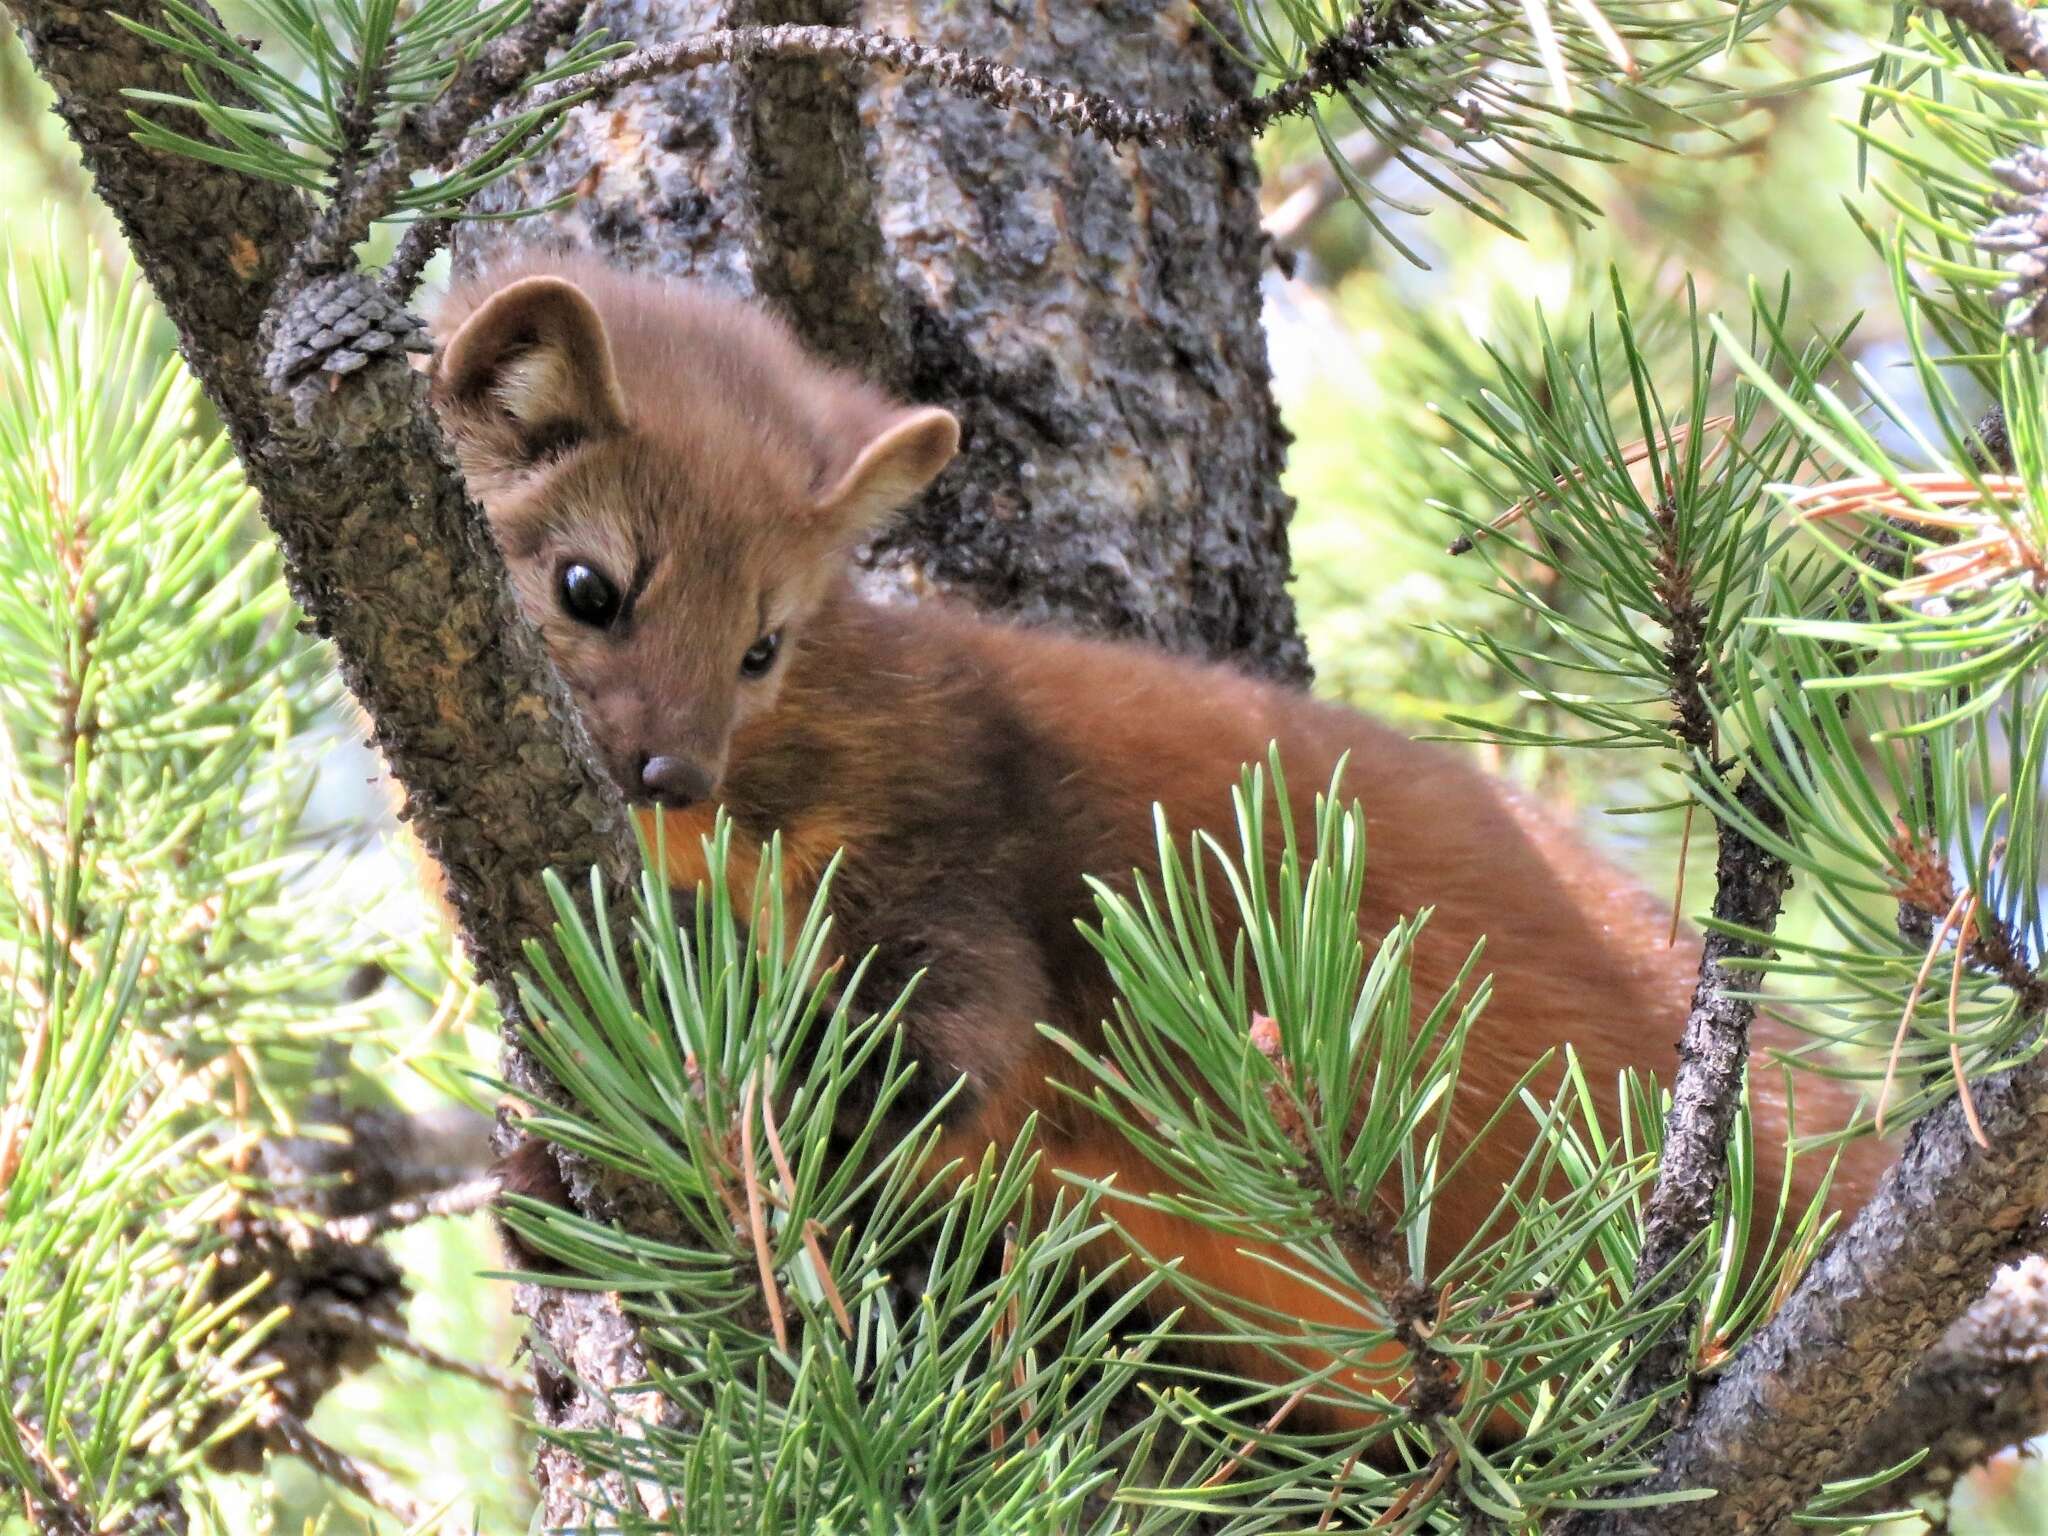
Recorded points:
(761, 655)
(588, 596)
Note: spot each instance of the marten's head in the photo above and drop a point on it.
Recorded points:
(675, 485)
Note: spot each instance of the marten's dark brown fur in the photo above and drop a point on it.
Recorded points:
(974, 772)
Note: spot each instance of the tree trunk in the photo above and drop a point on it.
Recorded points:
(1091, 314)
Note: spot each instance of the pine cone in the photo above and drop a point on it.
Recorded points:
(333, 328)
(2020, 235)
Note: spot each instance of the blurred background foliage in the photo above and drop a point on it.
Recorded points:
(1376, 320)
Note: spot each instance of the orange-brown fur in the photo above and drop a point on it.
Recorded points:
(975, 772)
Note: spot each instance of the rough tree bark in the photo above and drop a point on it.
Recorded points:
(1091, 314)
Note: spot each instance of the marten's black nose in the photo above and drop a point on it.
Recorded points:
(674, 781)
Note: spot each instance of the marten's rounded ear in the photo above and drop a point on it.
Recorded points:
(534, 352)
(894, 465)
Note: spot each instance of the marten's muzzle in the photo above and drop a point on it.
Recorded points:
(674, 783)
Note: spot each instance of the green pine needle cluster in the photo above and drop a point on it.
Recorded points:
(1822, 591)
(170, 991)
(328, 85)
(805, 1387)
(842, 1337)
(1492, 105)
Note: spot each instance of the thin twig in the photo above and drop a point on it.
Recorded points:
(458, 1200)
(430, 134)
(287, 1432)
(1339, 60)
(340, 1314)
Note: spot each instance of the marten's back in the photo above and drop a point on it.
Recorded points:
(1578, 951)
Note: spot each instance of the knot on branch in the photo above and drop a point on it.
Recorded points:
(323, 341)
(2020, 238)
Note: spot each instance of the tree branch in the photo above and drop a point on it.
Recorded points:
(1713, 1050)
(1916, 1257)
(2006, 25)
(1806, 1389)
(1341, 59)
(335, 1313)
(1983, 1388)
(1713, 1055)
(285, 1431)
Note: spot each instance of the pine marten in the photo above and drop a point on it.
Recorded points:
(676, 487)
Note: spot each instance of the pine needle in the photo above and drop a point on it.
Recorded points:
(1418, 1493)
(1678, 896)
(1998, 548)
(1891, 1066)
(1280, 1416)
(1955, 1047)
(757, 1219)
(813, 1230)
(14, 1126)
(1337, 1490)
(1596, 22)
(1636, 458)
(1548, 49)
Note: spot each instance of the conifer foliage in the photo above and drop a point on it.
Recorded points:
(171, 984)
